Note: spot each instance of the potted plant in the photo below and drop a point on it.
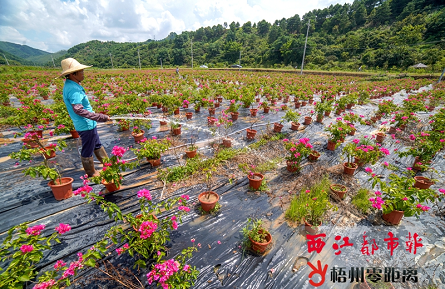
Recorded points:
(137, 131)
(123, 124)
(338, 132)
(398, 197)
(224, 124)
(314, 155)
(297, 150)
(233, 109)
(60, 186)
(151, 149)
(255, 236)
(311, 205)
(339, 190)
(191, 148)
(349, 151)
(175, 127)
(110, 175)
(291, 116)
(250, 131)
(265, 106)
(320, 108)
(253, 111)
(209, 198)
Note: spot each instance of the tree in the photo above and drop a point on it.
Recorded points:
(263, 27)
(247, 27)
(274, 33)
(294, 24)
(225, 25)
(231, 51)
(232, 26)
(360, 15)
(382, 14)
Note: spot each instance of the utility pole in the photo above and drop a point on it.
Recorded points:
(161, 62)
(440, 79)
(139, 56)
(112, 66)
(6, 59)
(305, 43)
(239, 68)
(191, 47)
(53, 60)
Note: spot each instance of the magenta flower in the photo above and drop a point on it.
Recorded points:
(35, 231)
(59, 265)
(144, 193)
(147, 228)
(118, 151)
(26, 248)
(442, 191)
(409, 169)
(356, 141)
(412, 137)
(63, 228)
(385, 164)
(369, 170)
(405, 199)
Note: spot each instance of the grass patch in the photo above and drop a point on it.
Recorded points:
(265, 138)
(311, 203)
(361, 200)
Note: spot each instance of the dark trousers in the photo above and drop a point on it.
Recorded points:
(90, 142)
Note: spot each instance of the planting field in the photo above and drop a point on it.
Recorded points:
(308, 133)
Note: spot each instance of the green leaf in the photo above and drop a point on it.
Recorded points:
(90, 262)
(24, 278)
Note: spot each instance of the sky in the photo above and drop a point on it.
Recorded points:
(53, 25)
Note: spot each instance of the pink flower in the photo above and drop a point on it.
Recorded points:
(185, 197)
(118, 151)
(193, 240)
(356, 141)
(175, 225)
(369, 170)
(385, 164)
(409, 169)
(59, 265)
(184, 208)
(419, 206)
(45, 285)
(63, 228)
(442, 191)
(144, 193)
(26, 248)
(405, 199)
(219, 242)
(308, 191)
(147, 228)
(425, 208)
(35, 231)
(378, 193)
(412, 137)
(186, 268)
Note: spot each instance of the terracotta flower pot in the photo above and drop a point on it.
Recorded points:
(253, 111)
(189, 115)
(423, 183)
(176, 112)
(255, 180)
(30, 143)
(62, 191)
(250, 133)
(74, 134)
(331, 145)
(234, 115)
(227, 142)
(177, 131)
(294, 126)
(216, 104)
(266, 109)
(352, 132)
(191, 154)
(197, 109)
(154, 163)
(277, 127)
(303, 103)
(49, 155)
(349, 105)
(307, 120)
(327, 113)
(211, 111)
(159, 105)
(211, 121)
(394, 217)
(314, 155)
(220, 99)
(349, 168)
(339, 192)
(392, 130)
(297, 104)
(208, 204)
(138, 137)
(319, 118)
(111, 187)
(261, 247)
(311, 229)
(291, 167)
(380, 137)
(358, 161)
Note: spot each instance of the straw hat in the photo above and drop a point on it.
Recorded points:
(70, 65)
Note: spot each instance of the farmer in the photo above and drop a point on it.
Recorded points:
(82, 114)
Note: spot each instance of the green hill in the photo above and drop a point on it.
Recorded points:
(22, 51)
(12, 59)
(46, 59)
(374, 34)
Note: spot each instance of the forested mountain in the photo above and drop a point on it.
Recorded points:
(12, 59)
(26, 55)
(369, 33)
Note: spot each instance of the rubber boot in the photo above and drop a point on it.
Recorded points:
(101, 154)
(88, 166)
